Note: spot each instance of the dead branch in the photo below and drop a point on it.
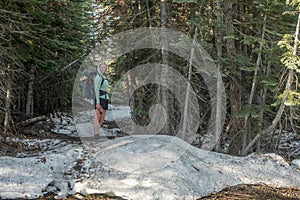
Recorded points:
(31, 121)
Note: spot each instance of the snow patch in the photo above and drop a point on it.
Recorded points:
(296, 163)
(27, 177)
(139, 167)
(130, 168)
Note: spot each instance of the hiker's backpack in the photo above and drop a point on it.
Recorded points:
(88, 84)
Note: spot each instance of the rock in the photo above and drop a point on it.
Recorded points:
(49, 189)
(296, 163)
(60, 187)
(79, 196)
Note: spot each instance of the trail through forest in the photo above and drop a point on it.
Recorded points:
(58, 164)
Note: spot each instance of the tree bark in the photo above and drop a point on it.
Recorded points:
(149, 13)
(219, 67)
(187, 96)
(8, 100)
(7, 116)
(252, 92)
(165, 61)
(31, 121)
(29, 102)
(235, 125)
(262, 103)
(277, 118)
(136, 10)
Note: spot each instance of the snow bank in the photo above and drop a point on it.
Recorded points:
(28, 177)
(165, 167)
(139, 167)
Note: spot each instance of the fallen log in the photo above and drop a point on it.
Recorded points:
(31, 121)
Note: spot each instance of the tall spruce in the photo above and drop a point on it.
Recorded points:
(39, 42)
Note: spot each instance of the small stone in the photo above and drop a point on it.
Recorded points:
(79, 196)
(296, 163)
(51, 189)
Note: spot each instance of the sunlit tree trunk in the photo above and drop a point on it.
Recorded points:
(165, 60)
(187, 96)
(219, 68)
(8, 100)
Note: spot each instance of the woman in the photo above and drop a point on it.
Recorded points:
(101, 98)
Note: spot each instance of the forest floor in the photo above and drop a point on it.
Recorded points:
(239, 192)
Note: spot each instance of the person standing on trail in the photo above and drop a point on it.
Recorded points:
(101, 86)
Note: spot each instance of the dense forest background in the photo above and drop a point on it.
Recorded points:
(253, 43)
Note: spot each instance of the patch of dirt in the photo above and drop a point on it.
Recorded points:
(255, 192)
(86, 197)
(14, 144)
(9, 148)
(14, 148)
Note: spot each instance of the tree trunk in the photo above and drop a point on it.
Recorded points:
(149, 14)
(252, 92)
(219, 36)
(29, 102)
(7, 116)
(187, 96)
(136, 10)
(165, 60)
(277, 118)
(234, 126)
(288, 85)
(262, 103)
(31, 121)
